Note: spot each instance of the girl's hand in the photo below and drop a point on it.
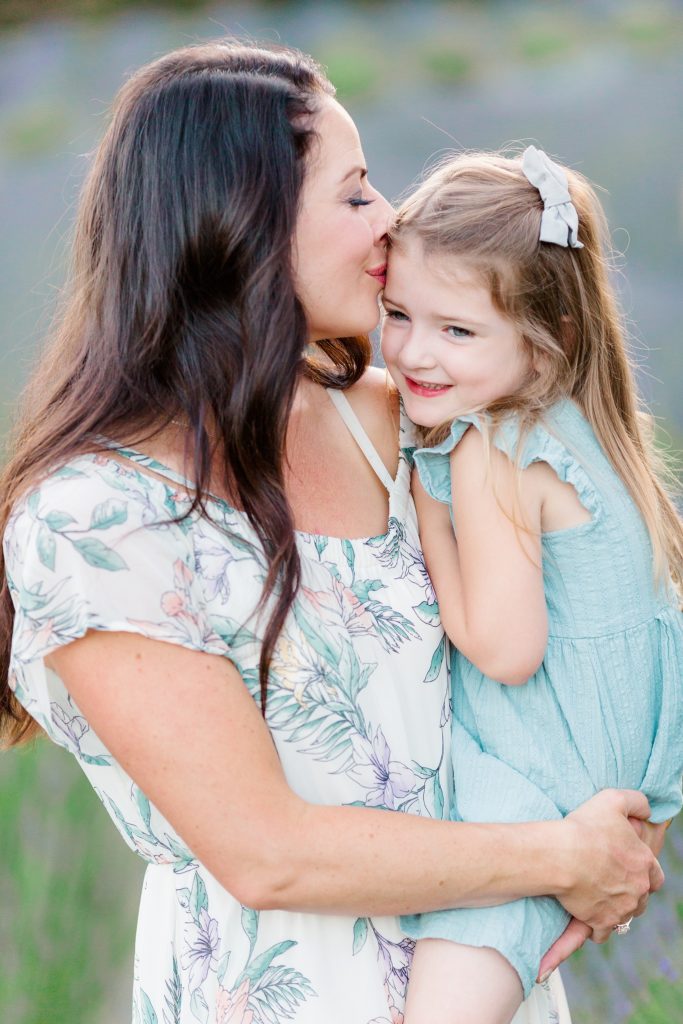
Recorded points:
(576, 932)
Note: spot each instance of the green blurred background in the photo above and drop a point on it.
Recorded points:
(596, 83)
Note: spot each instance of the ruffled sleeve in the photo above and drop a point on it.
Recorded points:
(548, 441)
(91, 551)
(434, 465)
(82, 555)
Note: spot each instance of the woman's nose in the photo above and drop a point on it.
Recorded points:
(382, 213)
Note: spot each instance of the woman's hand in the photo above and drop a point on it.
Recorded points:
(613, 870)
(576, 932)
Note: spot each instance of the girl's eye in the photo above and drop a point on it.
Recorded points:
(459, 332)
(394, 314)
(359, 201)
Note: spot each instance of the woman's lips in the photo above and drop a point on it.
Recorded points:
(379, 273)
(426, 390)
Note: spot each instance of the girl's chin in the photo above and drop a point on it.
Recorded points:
(419, 412)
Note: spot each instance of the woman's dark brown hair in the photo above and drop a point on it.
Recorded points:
(182, 302)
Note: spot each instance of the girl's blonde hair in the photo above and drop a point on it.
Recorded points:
(480, 208)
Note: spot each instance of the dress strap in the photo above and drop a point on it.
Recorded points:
(359, 435)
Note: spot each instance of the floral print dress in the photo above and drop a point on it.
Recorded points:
(357, 707)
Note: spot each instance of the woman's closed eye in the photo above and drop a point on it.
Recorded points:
(359, 200)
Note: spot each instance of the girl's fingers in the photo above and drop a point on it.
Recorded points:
(571, 939)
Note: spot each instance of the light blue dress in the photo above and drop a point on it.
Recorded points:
(605, 708)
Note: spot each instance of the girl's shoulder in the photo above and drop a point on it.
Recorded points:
(561, 438)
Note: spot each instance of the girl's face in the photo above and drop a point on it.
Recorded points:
(447, 347)
(340, 240)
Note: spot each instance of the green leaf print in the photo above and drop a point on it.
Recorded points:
(143, 806)
(276, 996)
(250, 926)
(360, 934)
(99, 555)
(101, 760)
(178, 850)
(174, 996)
(363, 588)
(232, 632)
(198, 899)
(349, 553)
(57, 520)
(33, 502)
(222, 967)
(261, 964)
(198, 1005)
(47, 547)
(437, 659)
(438, 797)
(108, 513)
(319, 638)
(33, 599)
(320, 543)
(429, 613)
(147, 1014)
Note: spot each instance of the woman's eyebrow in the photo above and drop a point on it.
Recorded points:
(363, 171)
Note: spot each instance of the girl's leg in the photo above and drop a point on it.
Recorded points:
(454, 984)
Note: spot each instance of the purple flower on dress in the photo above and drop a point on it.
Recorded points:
(387, 782)
(397, 958)
(202, 954)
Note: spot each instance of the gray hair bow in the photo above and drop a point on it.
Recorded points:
(559, 221)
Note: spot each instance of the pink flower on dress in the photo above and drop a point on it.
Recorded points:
(181, 574)
(342, 604)
(172, 604)
(231, 1007)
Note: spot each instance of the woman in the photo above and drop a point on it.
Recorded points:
(249, 669)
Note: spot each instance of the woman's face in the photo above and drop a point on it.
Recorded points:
(340, 239)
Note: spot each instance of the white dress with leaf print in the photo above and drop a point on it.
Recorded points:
(357, 708)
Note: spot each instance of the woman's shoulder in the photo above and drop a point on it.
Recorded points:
(91, 504)
(375, 401)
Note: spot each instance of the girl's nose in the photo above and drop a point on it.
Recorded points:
(415, 353)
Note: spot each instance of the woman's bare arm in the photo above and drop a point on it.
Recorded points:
(186, 729)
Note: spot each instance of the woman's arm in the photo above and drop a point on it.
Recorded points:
(186, 729)
(489, 583)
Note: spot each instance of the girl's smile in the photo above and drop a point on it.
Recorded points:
(419, 387)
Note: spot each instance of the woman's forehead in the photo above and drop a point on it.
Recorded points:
(338, 152)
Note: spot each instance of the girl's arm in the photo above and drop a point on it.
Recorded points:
(185, 728)
(489, 583)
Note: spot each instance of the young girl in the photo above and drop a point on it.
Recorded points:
(553, 546)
